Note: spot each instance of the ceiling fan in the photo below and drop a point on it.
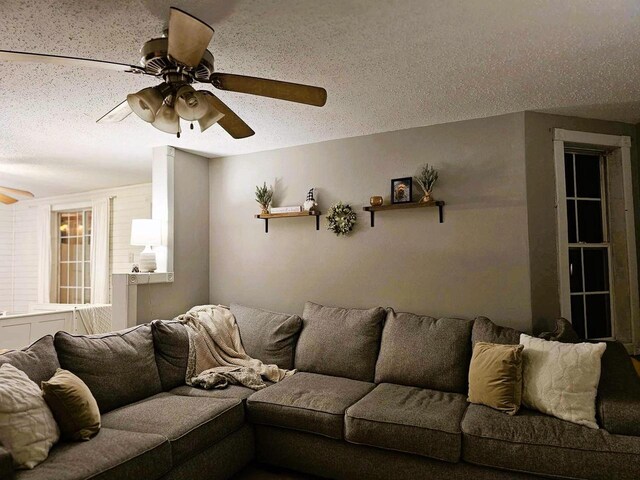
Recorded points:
(181, 58)
(8, 199)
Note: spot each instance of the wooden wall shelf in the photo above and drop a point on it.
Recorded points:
(401, 206)
(267, 216)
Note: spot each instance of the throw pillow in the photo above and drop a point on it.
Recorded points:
(561, 379)
(495, 376)
(73, 406)
(27, 428)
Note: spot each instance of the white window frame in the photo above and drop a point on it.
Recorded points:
(623, 143)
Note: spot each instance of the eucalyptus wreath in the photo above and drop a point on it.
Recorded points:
(341, 219)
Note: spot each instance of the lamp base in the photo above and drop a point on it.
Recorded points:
(148, 260)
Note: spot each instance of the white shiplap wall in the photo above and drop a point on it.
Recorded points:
(6, 255)
(127, 203)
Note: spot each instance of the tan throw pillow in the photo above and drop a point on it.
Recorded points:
(27, 428)
(495, 376)
(73, 406)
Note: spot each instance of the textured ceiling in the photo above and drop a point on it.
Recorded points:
(386, 65)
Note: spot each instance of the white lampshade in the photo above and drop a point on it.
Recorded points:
(146, 232)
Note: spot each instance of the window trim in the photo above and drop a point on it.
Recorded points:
(623, 144)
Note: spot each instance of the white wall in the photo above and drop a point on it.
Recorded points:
(6, 251)
(21, 265)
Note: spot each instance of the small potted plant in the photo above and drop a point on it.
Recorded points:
(264, 195)
(426, 179)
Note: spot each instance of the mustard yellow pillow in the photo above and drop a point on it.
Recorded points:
(495, 376)
(73, 406)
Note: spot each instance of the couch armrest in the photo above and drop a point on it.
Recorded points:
(618, 403)
(6, 465)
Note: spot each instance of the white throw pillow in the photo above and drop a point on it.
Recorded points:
(561, 379)
(27, 428)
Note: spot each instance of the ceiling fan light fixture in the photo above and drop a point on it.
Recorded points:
(189, 104)
(167, 120)
(146, 103)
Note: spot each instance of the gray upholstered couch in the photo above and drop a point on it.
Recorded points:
(378, 395)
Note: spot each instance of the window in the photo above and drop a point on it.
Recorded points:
(74, 255)
(589, 248)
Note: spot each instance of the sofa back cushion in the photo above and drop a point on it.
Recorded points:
(343, 342)
(268, 336)
(422, 351)
(171, 345)
(39, 360)
(484, 330)
(119, 368)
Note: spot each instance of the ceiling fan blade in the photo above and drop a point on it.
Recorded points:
(16, 191)
(6, 199)
(231, 122)
(6, 55)
(293, 92)
(188, 38)
(116, 114)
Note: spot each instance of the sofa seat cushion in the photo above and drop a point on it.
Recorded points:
(190, 424)
(232, 391)
(110, 455)
(534, 442)
(307, 401)
(408, 419)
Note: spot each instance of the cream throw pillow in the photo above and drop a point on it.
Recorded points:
(561, 379)
(27, 428)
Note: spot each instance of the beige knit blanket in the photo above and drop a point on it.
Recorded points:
(214, 342)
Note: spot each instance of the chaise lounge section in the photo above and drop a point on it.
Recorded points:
(378, 395)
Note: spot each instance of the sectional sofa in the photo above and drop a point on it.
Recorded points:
(378, 395)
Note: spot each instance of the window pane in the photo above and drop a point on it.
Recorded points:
(575, 270)
(87, 295)
(64, 249)
(596, 270)
(73, 224)
(589, 221)
(568, 174)
(73, 243)
(87, 249)
(577, 314)
(598, 316)
(571, 221)
(87, 222)
(64, 224)
(62, 276)
(79, 249)
(87, 274)
(588, 176)
(72, 274)
(63, 296)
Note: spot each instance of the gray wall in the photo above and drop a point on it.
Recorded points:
(191, 244)
(541, 191)
(475, 263)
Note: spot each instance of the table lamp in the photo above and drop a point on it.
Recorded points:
(148, 233)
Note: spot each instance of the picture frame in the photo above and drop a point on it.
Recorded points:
(401, 190)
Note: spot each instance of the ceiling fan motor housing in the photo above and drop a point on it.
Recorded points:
(156, 61)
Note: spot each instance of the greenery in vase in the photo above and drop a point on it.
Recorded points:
(427, 178)
(264, 195)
